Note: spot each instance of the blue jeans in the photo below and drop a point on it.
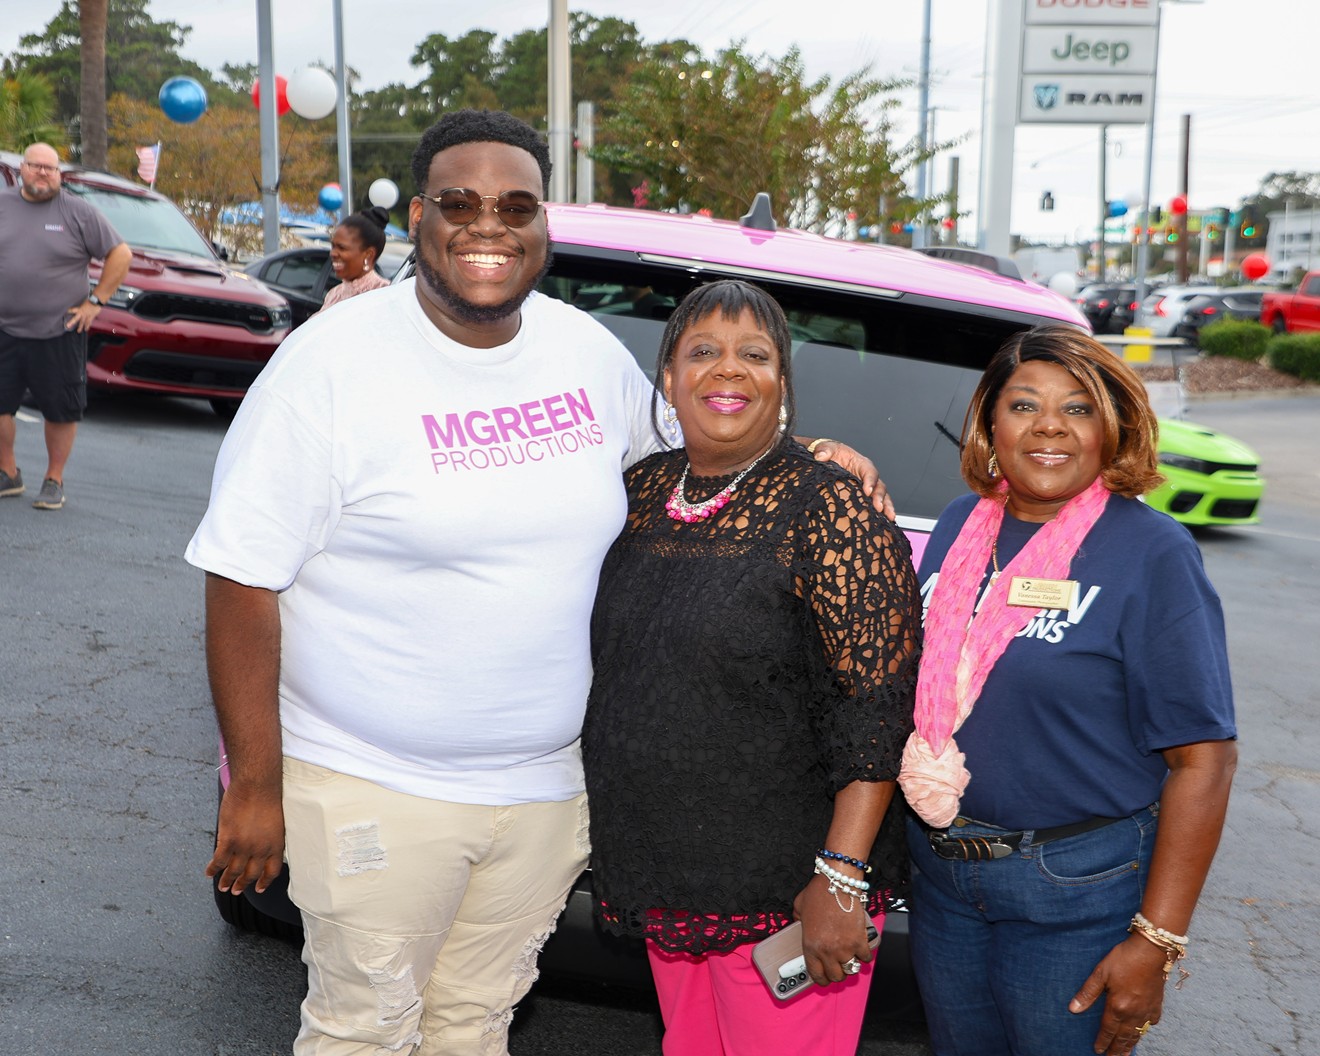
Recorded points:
(1001, 946)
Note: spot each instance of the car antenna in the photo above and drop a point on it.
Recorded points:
(760, 216)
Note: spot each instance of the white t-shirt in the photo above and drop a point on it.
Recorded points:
(434, 517)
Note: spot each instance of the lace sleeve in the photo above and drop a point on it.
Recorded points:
(856, 575)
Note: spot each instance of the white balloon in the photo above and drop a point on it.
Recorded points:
(1064, 282)
(312, 93)
(383, 192)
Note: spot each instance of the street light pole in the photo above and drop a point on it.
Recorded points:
(923, 109)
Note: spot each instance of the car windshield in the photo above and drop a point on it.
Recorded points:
(146, 223)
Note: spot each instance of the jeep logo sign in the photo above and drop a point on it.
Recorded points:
(1088, 49)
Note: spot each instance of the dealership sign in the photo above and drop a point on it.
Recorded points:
(1088, 61)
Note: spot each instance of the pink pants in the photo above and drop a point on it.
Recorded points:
(718, 1005)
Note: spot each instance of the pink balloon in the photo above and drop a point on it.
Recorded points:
(281, 94)
(1255, 266)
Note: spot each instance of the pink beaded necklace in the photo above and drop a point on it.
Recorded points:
(679, 509)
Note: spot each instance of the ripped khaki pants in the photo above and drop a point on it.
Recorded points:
(423, 918)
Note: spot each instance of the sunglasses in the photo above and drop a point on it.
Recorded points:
(461, 205)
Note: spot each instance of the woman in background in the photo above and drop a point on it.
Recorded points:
(355, 246)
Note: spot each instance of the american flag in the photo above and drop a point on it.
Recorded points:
(147, 158)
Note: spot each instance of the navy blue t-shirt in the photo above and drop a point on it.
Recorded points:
(1073, 716)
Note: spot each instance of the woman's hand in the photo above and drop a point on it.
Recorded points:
(1131, 978)
(830, 937)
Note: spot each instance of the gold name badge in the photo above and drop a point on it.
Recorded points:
(1043, 593)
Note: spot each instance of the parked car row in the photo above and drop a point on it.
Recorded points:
(1108, 307)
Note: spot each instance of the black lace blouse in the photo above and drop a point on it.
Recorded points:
(747, 667)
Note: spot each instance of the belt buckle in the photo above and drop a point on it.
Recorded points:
(969, 848)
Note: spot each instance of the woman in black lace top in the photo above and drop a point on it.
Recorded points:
(755, 644)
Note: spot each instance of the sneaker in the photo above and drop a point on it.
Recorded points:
(11, 485)
(51, 496)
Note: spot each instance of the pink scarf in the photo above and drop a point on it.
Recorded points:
(963, 644)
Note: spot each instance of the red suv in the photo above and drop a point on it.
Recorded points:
(183, 323)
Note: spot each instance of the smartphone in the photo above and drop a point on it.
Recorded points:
(782, 963)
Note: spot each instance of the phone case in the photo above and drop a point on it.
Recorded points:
(782, 964)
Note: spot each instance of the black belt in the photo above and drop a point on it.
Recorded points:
(980, 848)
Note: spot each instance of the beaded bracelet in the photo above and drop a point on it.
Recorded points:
(856, 863)
(851, 886)
(842, 879)
(1174, 946)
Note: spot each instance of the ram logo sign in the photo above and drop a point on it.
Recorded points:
(1086, 100)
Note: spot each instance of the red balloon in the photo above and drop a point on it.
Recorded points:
(1255, 266)
(1178, 205)
(281, 94)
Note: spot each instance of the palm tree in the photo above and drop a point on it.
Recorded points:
(91, 23)
(27, 112)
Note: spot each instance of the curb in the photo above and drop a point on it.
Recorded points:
(1252, 394)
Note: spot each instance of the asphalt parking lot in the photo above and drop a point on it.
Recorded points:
(109, 941)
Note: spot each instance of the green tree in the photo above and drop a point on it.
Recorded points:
(710, 134)
(27, 112)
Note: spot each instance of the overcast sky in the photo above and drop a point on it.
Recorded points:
(1243, 69)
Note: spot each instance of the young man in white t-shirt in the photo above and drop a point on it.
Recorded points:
(406, 526)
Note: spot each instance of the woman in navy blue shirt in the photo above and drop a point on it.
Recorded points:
(1076, 648)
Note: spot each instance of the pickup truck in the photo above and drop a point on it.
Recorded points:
(1293, 313)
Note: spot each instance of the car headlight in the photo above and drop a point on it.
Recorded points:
(124, 297)
(281, 317)
(1192, 465)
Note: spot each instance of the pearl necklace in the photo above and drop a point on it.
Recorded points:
(679, 509)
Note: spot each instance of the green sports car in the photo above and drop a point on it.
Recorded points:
(1212, 478)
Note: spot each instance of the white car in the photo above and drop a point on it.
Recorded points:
(1162, 310)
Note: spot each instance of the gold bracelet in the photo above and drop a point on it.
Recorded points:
(811, 447)
(1174, 950)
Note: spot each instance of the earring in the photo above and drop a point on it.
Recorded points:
(783, 417)
(671, 425)
(994, 465)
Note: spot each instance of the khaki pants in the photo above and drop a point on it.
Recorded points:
(423, 919)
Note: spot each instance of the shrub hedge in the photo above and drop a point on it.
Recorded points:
(1296, 354)
(1238, 338)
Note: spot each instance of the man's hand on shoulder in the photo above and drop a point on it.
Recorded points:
(859, 466)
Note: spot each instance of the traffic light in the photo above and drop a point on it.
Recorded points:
(1156, 216)
(1171, 234)
(1248, 228)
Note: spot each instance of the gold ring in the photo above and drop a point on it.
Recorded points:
(1141, 1030)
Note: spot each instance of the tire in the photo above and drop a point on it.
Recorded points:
(237, 911)
(225, 409)
(1280, 327)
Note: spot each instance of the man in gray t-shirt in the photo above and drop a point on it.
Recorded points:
(47, 239)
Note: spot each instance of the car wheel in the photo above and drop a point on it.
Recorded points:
(1280, 327)
(226, 409)
(243, 915)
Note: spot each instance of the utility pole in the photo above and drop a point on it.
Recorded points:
(560, 101)
(1104, 206)
(1186, 193)
(919, 238)
(270, 136)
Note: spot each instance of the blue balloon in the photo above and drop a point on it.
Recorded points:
(1118, 208)
(183, 100)
(331, 197)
